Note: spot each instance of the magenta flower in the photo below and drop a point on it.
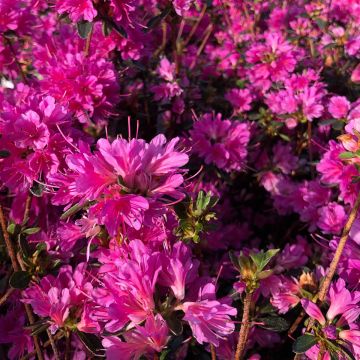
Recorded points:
(332, 218)
(240, 99)
(209, 318)
(77, 9)
(220, 142)
(178, 269)
(339, 107)
(55, 297)
(146, 340)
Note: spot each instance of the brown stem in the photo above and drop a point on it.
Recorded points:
(324, 287)
(296, 323)
(35, 338)
(53, 345)
(68, 345)
(46, 344)
(245, 327)
(27, 208)
(8, 293)
(309, 135)
(88, 42)
(8, 243)
(208, 32)
(16, 267)
(194, 28)
(213, 352)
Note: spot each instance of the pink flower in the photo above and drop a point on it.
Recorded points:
(146, 340)
(181, 6)
(209, 318)
(77, 9)
(12, 332)
(339, 107)
(55, 297)
(355, 76)
(220, 142)
(313, 311)
(240, 99)
(178, 269)
(332, 218)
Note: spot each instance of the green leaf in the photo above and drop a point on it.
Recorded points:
(91, 342)
(20, 279)
(156, 20)
(31, 231)
(24, 246)
(37, 189)
(346, 155)
(234, 259)
(164, 354)
(41, 247)
(321, 23)
(174, 323)
(304, 343)
(284, 137)
(4, 154)
(73, 210)
(84, 28)
(106, 28)
(274, 323)
(261, 259)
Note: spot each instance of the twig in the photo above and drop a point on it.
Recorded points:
(16, 267)
(6, 295)
(53, 345)
(245, 327)
(194, 28)
(208, 32)
(88, 42)
(324, 287)
(27, 208)
(213, 353)
(46, 344)
(8, 243)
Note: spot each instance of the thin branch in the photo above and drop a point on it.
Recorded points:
(213, 352)
(245, 327)
(8, 243)
(53, 345)
(4, 298)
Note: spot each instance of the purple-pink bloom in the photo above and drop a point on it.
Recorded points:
(209, 318)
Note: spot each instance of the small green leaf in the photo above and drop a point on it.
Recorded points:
(31, 231)
(24, 246)
(91, 342)
(346, 155)
(261, 259)
(164, 354)
(20, 280)
(73, 210)
(11, 228)
(84, 28)
(4, 154)
(106, 28)
(37, 189)
(321, 23)
(274, 323)
(41, 247)
(234, 259)
(156, 20)
(304, 343)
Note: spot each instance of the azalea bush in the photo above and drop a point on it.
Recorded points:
(179, 179)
